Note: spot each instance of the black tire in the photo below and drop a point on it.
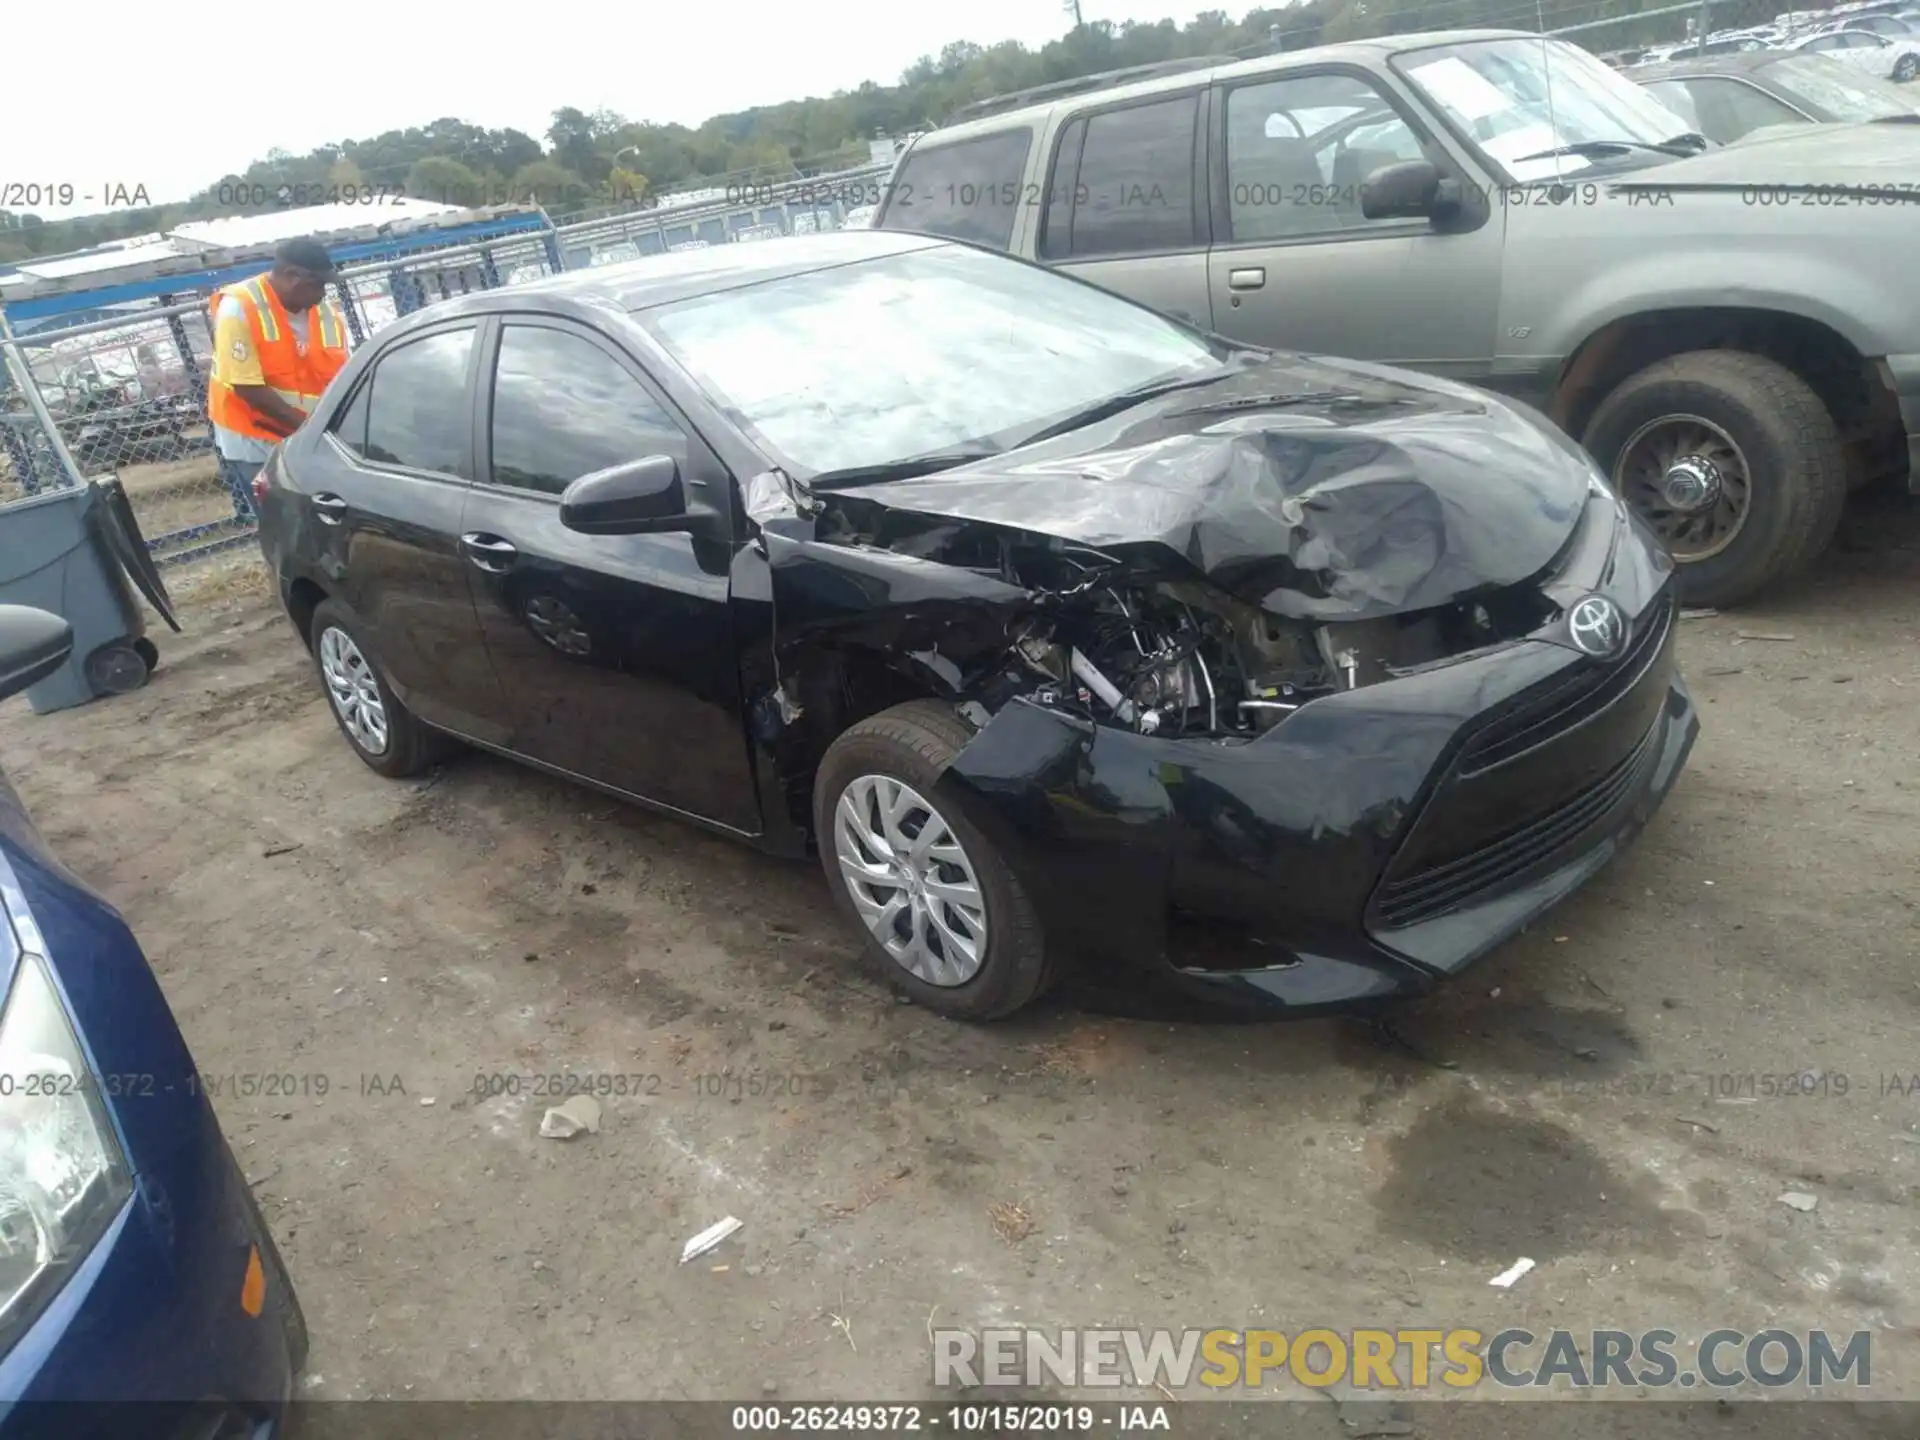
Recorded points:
(117, 668)
(149, 652)
(1797, 469)
(411, 746)
(1905, 68)
(914, 743)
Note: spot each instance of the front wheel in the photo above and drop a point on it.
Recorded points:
(382, 731)
(941, 914)
(1733, 461)
(1906, 67)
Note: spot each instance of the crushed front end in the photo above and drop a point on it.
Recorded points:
(1305, 743)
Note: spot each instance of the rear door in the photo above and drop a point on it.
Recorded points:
(1295, 264)
(616, 651)
(1126, 203)
(385, 495)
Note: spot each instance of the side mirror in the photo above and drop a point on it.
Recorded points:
(33, 644)
(1401, 191)
(637, 498)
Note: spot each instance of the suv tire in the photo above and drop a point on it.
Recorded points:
(1795, 468)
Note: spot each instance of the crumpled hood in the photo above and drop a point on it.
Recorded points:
(1825, 157)
(1316, 488)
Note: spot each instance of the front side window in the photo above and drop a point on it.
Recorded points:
(1124, 184)
(1299, 147)
(1517, 99)
(880, 361)
(563, 408)
(964, 191)
(413, 411)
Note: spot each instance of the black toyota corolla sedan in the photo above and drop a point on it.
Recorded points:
(1054, 627)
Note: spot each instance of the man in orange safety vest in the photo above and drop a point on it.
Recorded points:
(277, 341)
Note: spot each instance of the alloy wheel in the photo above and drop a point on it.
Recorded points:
(1686, 477)
(911, 880)
(354, 691)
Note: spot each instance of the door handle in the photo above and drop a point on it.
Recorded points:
(329, 509)
(1250, 278)
(489, 552)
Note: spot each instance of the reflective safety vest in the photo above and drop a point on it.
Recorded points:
(298, 374)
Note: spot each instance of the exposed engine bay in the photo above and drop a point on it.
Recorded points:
(1117, 637)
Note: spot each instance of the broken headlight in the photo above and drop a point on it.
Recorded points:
(63, 1177)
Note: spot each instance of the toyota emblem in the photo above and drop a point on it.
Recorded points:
(1597, 627)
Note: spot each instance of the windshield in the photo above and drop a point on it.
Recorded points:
(936, 349)
(1843, 93)
(1515, 98)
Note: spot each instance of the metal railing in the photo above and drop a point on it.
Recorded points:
(126, 395)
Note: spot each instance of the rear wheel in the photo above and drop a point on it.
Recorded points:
(941, 914)
(382, 731)
(1733, 460)
(117, 669)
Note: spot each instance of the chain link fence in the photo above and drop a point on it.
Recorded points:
(126, 395)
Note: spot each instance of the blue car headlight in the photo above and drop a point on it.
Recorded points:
(63, 1176)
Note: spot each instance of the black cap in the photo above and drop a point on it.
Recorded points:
(309, 255)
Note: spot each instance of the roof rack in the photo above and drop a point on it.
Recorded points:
(1105, 80)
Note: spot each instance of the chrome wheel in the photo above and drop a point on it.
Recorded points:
(554, 623)
(1688, 480)
(911, 880)
(354, 691)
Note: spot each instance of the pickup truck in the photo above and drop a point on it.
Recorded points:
(1732, 332)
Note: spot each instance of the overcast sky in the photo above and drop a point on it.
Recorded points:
(131, 101)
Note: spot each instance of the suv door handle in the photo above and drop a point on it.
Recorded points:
(1250, 278)
(489, 552)
(329, 508)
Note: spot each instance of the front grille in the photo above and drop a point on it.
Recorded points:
(1587, 692)
(1439, 888)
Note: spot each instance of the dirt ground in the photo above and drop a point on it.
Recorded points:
(1596, 1096)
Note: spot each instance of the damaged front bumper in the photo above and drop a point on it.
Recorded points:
(1371, 844)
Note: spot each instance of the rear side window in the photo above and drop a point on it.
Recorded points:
(1124, 184)
(965, 191)
(413, 411)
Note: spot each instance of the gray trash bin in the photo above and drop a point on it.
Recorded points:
(69, 551)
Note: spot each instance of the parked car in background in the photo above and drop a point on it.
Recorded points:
(1052, 625)
(1890, 59)
(1893, 27)
(134, 1264)
(1502, 209)
(859, 218)
(1726, 97)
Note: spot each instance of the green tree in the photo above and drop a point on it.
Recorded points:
(445, 181)
(548, 183)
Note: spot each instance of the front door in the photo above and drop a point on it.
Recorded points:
(1296, 266)
(616, 652)
(384, 497)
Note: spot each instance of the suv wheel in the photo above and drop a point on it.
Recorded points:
(382, 731)
(1733, 460)
(942, 916)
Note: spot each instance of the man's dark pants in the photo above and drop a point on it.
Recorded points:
(238, 475)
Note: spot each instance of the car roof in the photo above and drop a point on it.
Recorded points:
(1733, 62)
(678, 275)
(1372, 50)
(656, 280)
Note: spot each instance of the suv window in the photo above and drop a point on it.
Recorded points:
(1123, 182)
(413, 410)
(965, 191)
(563, 408)
(1724, 110)
(1298, 148)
